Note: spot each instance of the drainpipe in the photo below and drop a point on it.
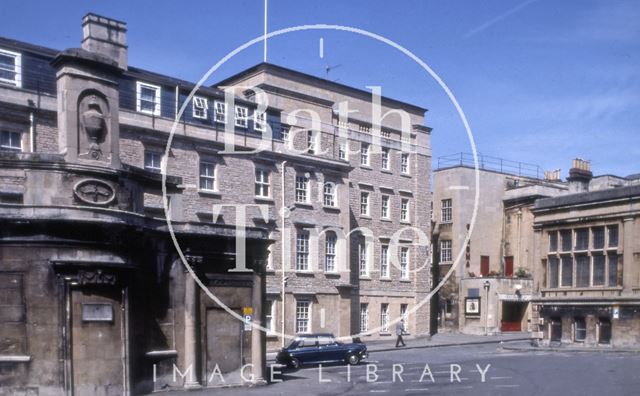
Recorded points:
(32, 131)
(282, 245)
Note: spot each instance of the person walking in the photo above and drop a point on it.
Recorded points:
(399, 332)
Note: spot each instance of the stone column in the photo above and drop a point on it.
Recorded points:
(628, 273)
(191, 326)
(258, 347)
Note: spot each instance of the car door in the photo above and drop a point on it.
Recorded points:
(329, 350)
(307, 350)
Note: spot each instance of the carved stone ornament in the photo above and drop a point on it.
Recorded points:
(94, 192)
(93, 113)
(96, 277)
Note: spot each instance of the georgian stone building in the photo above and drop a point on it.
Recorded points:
(94, 295)
(351, 213)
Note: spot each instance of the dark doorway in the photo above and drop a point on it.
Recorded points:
(508, 266)
(556, 329)
(512, 315)
(604, 334)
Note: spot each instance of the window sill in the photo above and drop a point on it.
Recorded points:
(263, 199)
(384, 334)
(210, 193)
(367, 167)
(445, 262)
(331, 208)
(405, 222)
(387, 171)
(405, 175)
(362, 277)
(303, 205)
(365, 217)
(385, 279)
(305, 273)
(405, 280)
(332, 274)
(386, 219)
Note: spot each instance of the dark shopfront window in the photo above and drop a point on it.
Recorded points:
(580, 331)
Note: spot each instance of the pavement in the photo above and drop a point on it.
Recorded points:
(529, 346)
(437, 340)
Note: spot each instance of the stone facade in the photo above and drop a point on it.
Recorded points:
(86, 248)
(587, 277)
(493, 270)
(353, 292)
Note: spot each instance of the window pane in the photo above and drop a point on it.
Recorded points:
(553, 272)
(598, 270)
(364, 317)
(613, 270)
(582, 239)
(302, 317)
(598, 237)
(553, 241)
(363, 259)
(583, 271)
(613, 235)
(567, 271)
(384, 261)
(446, 210)
(566, 240)
(302, 251)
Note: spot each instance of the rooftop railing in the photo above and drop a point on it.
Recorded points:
(496, 164)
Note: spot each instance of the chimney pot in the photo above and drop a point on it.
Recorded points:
(579, 176)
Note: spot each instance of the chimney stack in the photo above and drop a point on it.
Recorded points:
(106, 37)
(579, 176)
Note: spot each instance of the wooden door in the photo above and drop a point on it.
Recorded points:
(97, 340)
(484, 265)
(508, 266)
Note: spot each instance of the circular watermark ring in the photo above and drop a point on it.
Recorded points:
(362, 32)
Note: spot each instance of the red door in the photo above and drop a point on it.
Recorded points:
(508, 266)
(484, 265)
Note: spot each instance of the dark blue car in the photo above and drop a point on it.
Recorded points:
(321, 348)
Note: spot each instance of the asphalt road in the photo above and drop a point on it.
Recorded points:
(459, 371)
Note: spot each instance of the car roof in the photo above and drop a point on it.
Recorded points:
(312, 335)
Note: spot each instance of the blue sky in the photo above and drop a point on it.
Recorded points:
(541, 81)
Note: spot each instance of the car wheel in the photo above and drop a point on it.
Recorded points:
(295, 363)
(353, 359)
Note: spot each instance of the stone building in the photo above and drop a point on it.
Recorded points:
(96, 298)
(587, 255)
(490, 287)
(380, 185)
